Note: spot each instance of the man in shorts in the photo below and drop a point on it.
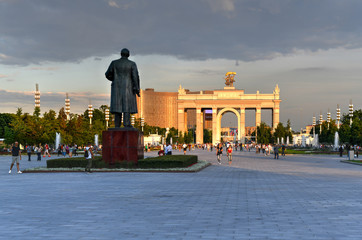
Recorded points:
(16, 156)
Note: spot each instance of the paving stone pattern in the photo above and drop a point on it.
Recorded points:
(257, 197)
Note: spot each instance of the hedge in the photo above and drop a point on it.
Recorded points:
(75, 162)
(168, 161)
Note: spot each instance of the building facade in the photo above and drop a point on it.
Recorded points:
(204, 109)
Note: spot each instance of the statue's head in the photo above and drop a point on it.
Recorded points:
(125, 52)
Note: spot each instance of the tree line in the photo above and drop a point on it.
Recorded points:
(34, 129)
(348, 134)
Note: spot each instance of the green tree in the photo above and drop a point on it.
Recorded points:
(280, 132)
(207, 136)
(264, 135)
(5, 121)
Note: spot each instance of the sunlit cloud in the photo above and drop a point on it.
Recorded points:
(113, 4)
(222, 5)
(45, 68)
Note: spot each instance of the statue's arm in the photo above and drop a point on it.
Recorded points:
(110, 72)
(135, 80)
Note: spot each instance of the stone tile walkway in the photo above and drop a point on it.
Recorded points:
(257, 197)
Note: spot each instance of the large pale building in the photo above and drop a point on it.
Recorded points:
(204, 109)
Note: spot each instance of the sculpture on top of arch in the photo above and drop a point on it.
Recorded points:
(229, 79)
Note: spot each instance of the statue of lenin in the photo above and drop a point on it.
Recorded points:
(125, 86)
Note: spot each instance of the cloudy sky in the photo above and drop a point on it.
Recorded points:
(312, 49)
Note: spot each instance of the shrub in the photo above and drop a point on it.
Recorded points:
(168, 161)
(75, 162)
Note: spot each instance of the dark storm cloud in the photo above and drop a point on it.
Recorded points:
(41, 30)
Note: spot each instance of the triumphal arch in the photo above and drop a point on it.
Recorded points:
(204, 109)
(225, 100)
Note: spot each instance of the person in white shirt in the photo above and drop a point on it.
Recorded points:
(169, 149)
(89, 156)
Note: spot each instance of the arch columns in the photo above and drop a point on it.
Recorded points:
(275, 117)
(242, 123)
(181, 123)
(199, 126)
(215, 127)
(257, 116)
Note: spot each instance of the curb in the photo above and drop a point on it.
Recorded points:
(354, 163)
(119, 170)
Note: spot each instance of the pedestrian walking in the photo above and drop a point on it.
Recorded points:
(283, 150)
(38, 152)
(341, 151)
(16, 156)
(184, 146)
(276, 152)
(70, 151)
(75, 150)
(46, 150)
(229, 154)
(357, 151)
(28, 151)
(219, 150)
(88, 154)
(64, 151)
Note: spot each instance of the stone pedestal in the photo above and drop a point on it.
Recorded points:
(122, 144)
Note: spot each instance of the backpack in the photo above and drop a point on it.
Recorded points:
(86, 153)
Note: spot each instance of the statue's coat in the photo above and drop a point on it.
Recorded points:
(125, 85)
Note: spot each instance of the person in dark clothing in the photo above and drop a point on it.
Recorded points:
(340, 151)
(276, 152)
(16, 156)
(219, 150)
(283, 150)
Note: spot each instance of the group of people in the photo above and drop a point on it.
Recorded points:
(266, 149)
(219, 151)
(165, 150)
(70, 150)
(37, 149)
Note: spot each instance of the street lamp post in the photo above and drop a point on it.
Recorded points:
(328, 118)
(338, 115)
(107, 116)
(90, 113)
(350, 112)
(314, 123)
(67, 106)
(37, 96)
(142, 123)
(132, 120)
(320, 123)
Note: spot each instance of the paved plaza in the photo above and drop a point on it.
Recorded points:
(257, 197)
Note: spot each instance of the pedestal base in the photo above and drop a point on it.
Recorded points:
(122, 144)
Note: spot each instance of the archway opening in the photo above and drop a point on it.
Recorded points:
(229, 127)
(250, 123)
(267, 116)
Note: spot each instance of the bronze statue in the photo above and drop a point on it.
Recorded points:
(229, 79)
(125, 86)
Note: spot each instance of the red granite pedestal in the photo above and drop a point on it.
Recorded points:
(122, 144)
